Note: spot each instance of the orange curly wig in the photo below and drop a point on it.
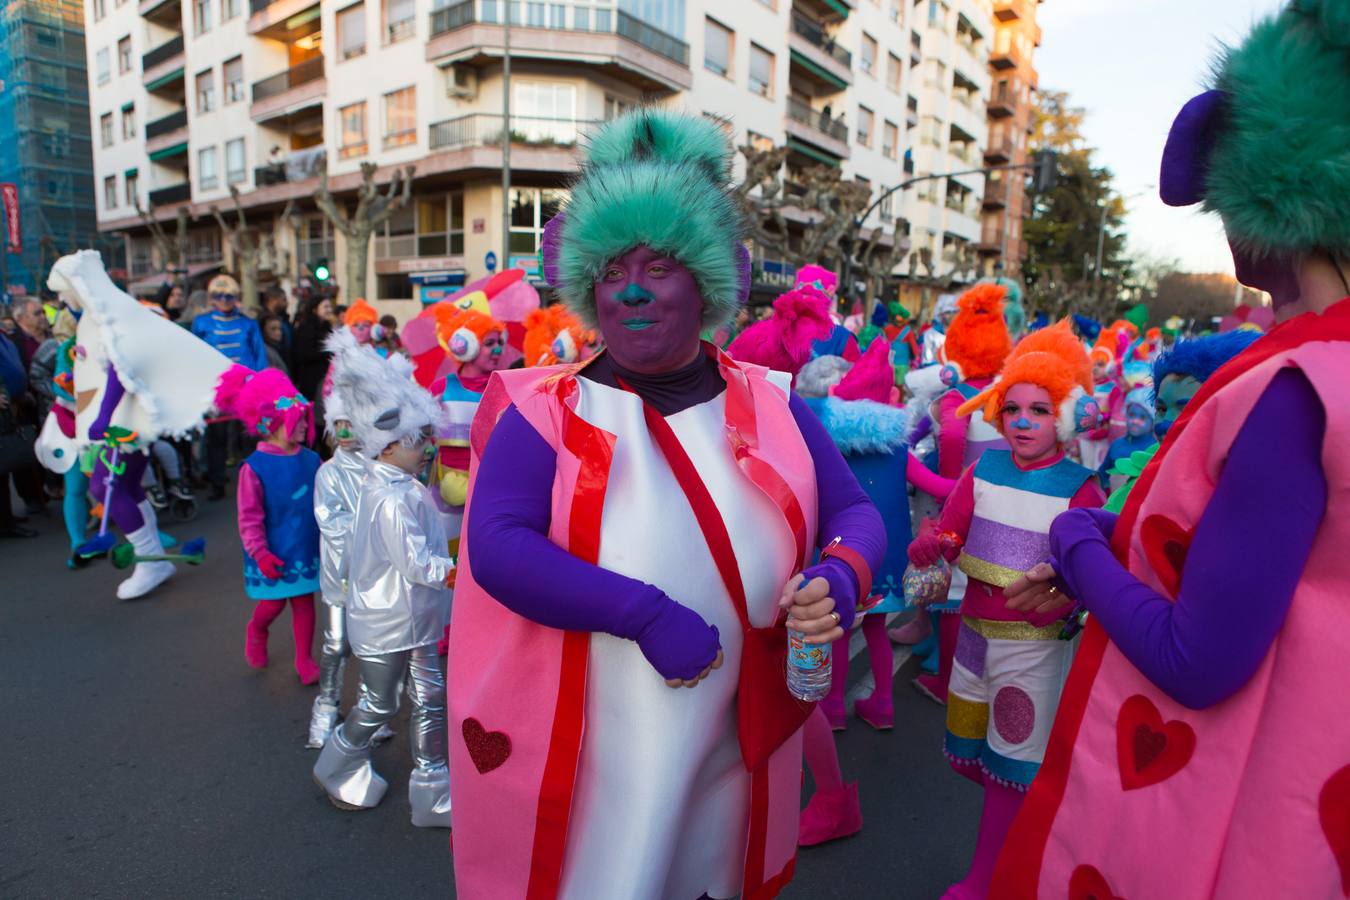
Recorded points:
(450, 319)
(360, 311)
(1052, 358)
(544, 326)
(977, 339)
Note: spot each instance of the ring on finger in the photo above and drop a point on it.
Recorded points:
(835, 613)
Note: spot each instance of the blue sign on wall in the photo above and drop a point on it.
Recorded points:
(490, 261)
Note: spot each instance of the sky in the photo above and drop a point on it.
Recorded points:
(1132, 64)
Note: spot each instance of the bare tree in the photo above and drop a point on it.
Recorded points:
(373, 209)
(244, 242)
(172, 249)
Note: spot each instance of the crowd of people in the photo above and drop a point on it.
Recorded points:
(1115, 550)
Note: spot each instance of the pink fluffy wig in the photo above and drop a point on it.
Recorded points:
(783, 341)
(264, 401)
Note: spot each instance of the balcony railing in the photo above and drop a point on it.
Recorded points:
(307, 71)
(166, 124)
(166, 51)
(572, 18)
(485, 130)
(257, 6)
(799, 111)
(817, 35)
(995, 194)
(301, 165)
(178, 193)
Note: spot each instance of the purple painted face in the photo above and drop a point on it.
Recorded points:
(650, 312)
(1272, 274)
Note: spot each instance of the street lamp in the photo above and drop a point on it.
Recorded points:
(1101, 235)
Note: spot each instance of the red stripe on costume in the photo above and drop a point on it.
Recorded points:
(1017, 875)
(753, 879)
(594, 449)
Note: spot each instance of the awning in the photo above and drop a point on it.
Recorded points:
(158, 83)
(175, 150)
(819, 71)
(807, 150)
(839, 7)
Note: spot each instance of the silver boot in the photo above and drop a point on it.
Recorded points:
(346, 774)
(429, 797)
(322, 720)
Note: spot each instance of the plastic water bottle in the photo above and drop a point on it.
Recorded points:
(808, 668)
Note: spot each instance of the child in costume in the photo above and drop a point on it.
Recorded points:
(553, 335)
(276, 510)
(1138, 436)
(397, 602)
(637, 526)
(839, 341)
(137, 376)
(58, 451)
(944, 310)
(1202, 749)
(976, 345)
(1010, 666)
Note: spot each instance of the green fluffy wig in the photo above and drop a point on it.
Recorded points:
(660, 179)
(1279, 172)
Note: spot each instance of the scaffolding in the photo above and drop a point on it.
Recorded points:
(45, 142)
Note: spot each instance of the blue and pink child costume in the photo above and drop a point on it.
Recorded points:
(276, 512)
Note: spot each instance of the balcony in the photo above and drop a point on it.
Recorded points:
(163, 66)
(1012, 10)
(474, 141)
(814, 52)
(995, 194)
(163, 53)
(166, 132)
(578, 33)
(302, 165)
(286, 93)
(1005, 58)
(826, 10)
(283, 20)
(178, 193)
(815, 127)
(1002, 105)
(162, 12)
(999, 152)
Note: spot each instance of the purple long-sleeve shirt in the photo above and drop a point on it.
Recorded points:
(1248, 554)
(512, 512)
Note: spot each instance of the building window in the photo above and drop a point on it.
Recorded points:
(869, 53)
(206, 91)
(110, 192)
(761, 71)
(124, 55)
(103, 65)
(229, 9)
(399, 20)
(232, 73)
(235, 168)
(207, 176)
(865, 122)
(616, 106)
(717, 40)
(352, 134)
(893, 70)
(133, 182)
(548, 112)
(201, 16)
(105, 132)
(890, 139)
(100, 9)
(431, 226)
(351, 25)
(884, 207)
(937, 75)
(400, 117)
(128, 122)
(530, 211)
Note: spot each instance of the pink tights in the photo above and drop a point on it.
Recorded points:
(1001, 804)
(265, 612)
(879, 655)
(949, 628)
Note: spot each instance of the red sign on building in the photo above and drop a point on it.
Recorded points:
(9, 199)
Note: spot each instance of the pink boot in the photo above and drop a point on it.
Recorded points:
(830, 815)
(915, 631)
(255, 636)
(876, 710)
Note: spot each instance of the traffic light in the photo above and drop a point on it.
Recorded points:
(319, 268)
(1045, 175)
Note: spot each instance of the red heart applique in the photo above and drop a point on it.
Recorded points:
(1086, 883)
(1148, 749)
(1333, 807)
(487, 749)
(1166, 545)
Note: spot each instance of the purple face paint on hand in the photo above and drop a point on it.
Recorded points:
(650, 312)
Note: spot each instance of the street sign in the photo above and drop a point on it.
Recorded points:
(490, 261)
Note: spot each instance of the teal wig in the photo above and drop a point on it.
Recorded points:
(1014, 315)
(658, 179)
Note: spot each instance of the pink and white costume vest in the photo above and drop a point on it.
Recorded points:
(1140, 797)
(578, 773)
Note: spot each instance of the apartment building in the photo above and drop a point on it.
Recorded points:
(1011, 121)
(44, 137)
(949, 44)
(259, 94)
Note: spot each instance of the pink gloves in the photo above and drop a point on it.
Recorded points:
(270, 564)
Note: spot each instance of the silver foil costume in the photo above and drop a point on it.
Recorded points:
(336, 489)
(397, 607)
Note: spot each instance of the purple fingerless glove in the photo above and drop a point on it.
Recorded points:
(677, 642)
(843, 587)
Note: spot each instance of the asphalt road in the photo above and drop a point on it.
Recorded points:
(144, 759)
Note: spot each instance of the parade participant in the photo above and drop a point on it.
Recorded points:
(57, 450)
(1009, 666)
(336, 487)
(276, 510)
(360, 320)
(397, 603)
(553, 335)
(783, 342)
(976, 345)
(1209, 683)
(943, 313)
(633, 527)
(138, 376)
(839, 341)
(1138, 436)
